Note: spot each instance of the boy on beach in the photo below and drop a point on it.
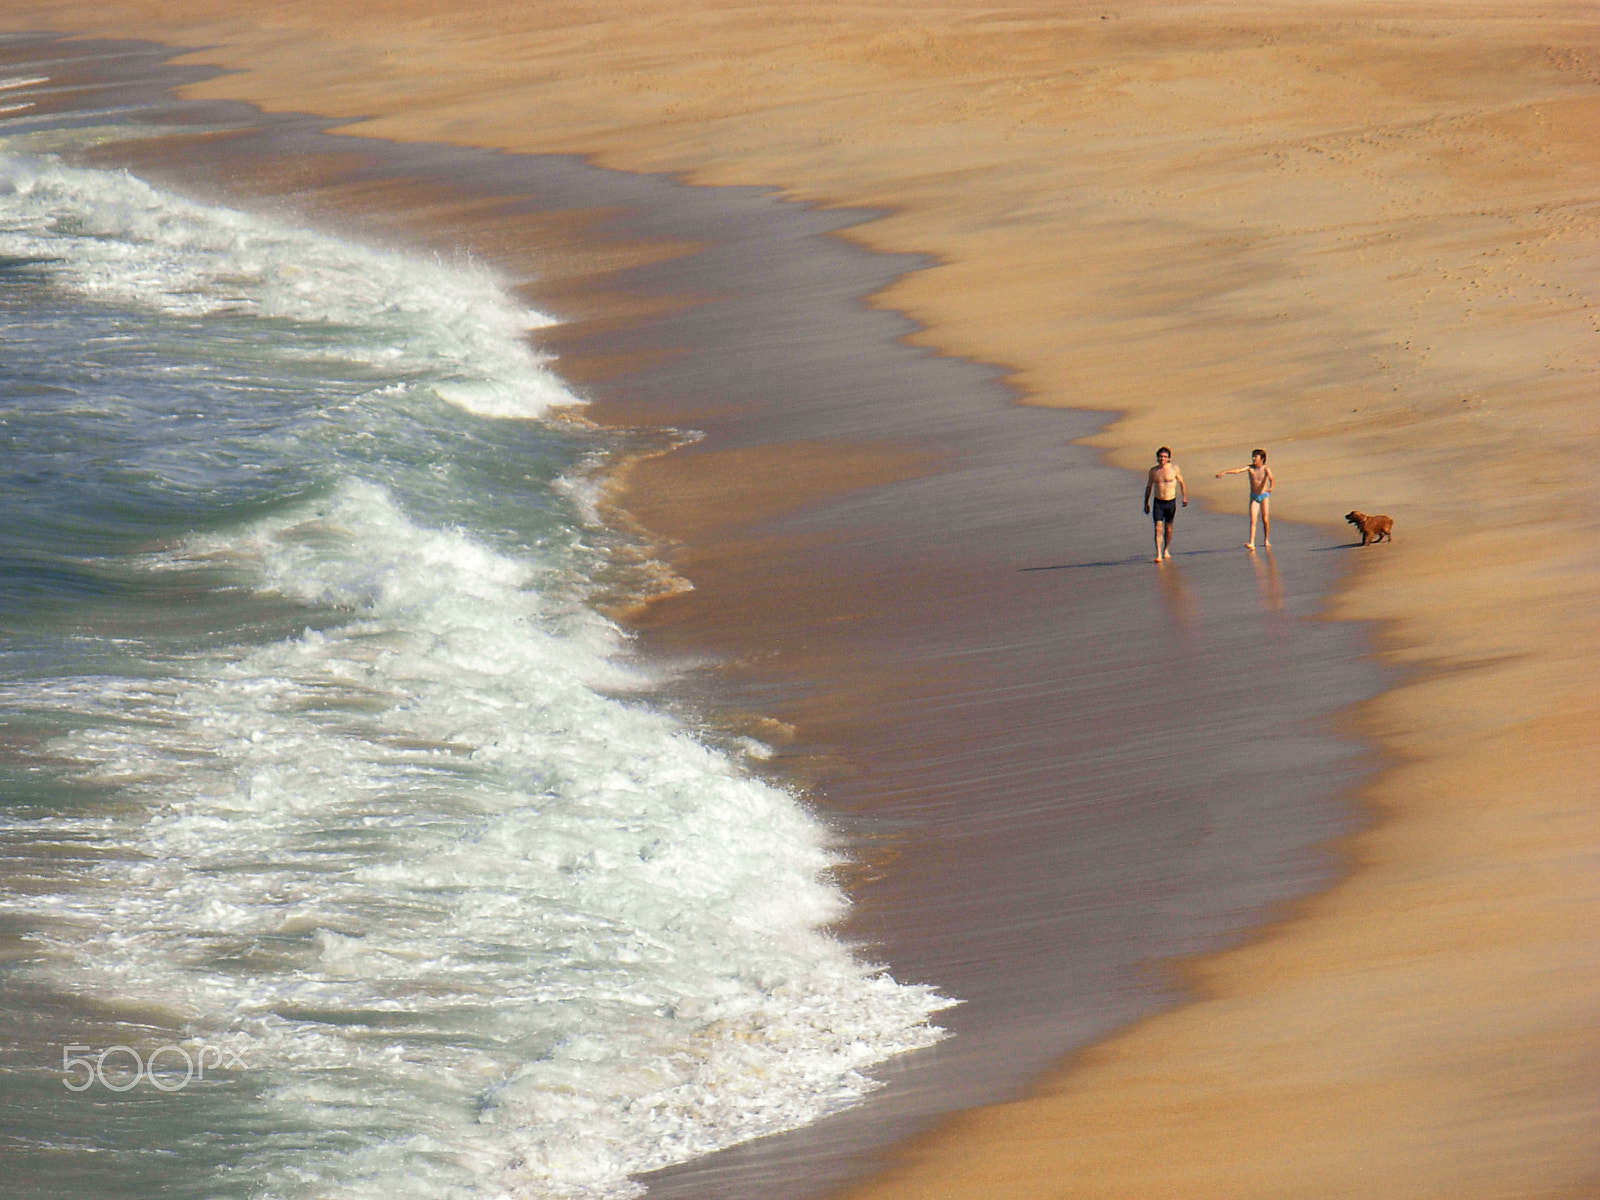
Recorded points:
(1166, 481)
(1260, 495)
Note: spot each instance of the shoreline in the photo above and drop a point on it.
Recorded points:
(737, 282)
(1003, 1038)
(1469, 855)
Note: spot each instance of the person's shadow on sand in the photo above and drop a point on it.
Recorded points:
(1136, 560)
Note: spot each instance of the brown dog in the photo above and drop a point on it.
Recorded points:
(1373, 529)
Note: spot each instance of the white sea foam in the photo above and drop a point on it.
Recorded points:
(420, 867)
(548, 932)
(109, 234)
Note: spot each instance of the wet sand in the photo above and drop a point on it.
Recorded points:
(1361, 237)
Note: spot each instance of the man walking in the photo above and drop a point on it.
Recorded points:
(1260, 496)
(1165, 481)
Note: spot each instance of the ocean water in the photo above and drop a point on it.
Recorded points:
(347, 852)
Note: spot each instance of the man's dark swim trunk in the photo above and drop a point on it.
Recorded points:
(1164, 510)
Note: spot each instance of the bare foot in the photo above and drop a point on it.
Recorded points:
(1268, 545)
(1157, 558)
(1168, 554)
(1249, 545)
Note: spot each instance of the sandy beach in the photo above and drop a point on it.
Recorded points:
(1362, 236)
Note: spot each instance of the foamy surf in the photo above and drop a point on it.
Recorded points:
(475, 917)
(112, 236)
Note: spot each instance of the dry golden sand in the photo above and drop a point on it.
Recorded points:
(1362, 235)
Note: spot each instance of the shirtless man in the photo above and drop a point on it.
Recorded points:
(1166, 481)
(1260, 496)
